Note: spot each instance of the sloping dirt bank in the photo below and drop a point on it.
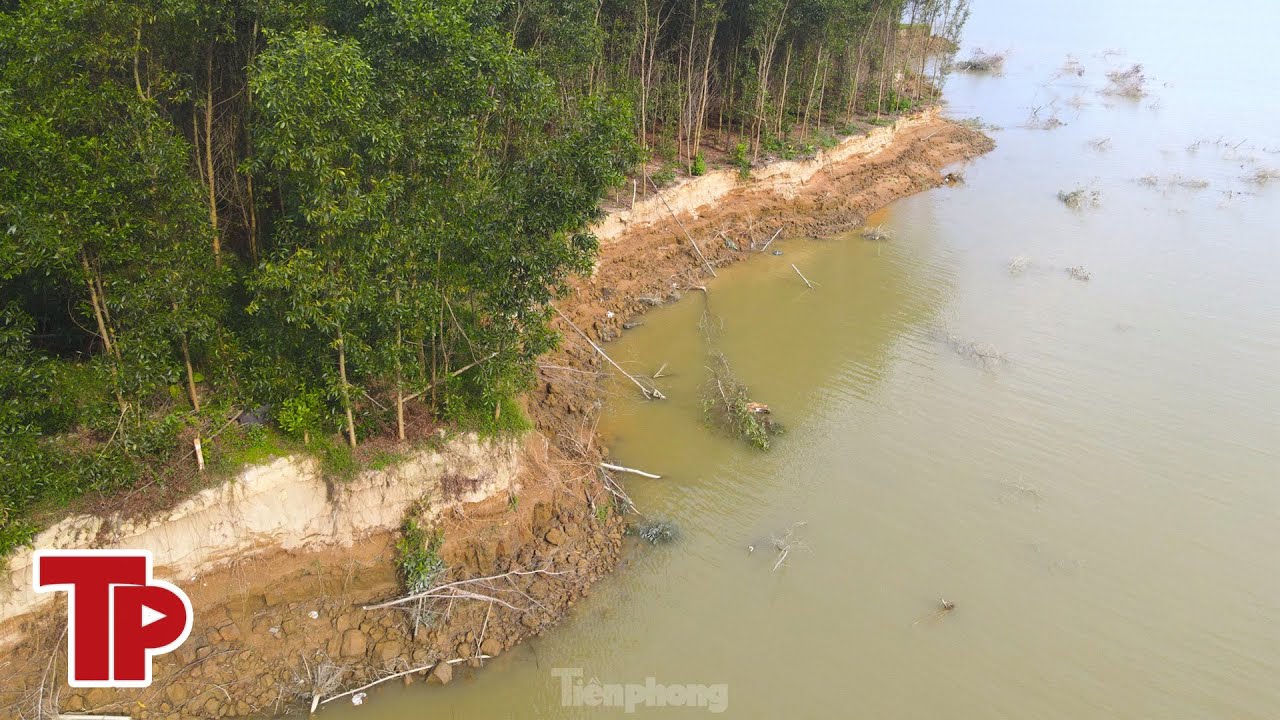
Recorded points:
(646, 258)
(280, 565)
(280, 620)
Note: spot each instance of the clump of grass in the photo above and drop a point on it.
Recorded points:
(1189, 183)
(729, 406)
(657, 532)
(383, 458)
(1049, 122)
(1130, 83)
(983, 62)
(1072, 67)
(337, 461)
(983, 354)
(977, 123)
(1263, 176)
(418, 561)
(1079, 198)
(1077, 272)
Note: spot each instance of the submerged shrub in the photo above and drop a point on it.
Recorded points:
(728, 406)
(657, 532)
(1079, 198)
(982, 62)
(1130, 83)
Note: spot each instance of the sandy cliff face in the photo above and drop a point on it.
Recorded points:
(285, 505)
(785, 179)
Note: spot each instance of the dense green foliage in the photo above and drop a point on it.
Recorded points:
(353, 214)
(418, 557)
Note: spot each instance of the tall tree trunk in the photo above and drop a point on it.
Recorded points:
(346, 390)
(782, 96)
(137, 52)
(248, 173)
(704, 91)
(208, 156)
(95, 302)
(99, 304)
(399, 375)
(191, 375)
(813, 88)
(857, 72)
(186, 361)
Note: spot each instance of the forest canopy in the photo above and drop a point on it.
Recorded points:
(353, 213)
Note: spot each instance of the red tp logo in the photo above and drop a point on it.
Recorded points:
(118, 618)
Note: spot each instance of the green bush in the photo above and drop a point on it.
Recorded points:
(699, 166)
(741, 161)
(665, 176)
(418, 557)
(303, 414)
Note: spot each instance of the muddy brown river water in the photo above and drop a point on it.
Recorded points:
(1086, 468)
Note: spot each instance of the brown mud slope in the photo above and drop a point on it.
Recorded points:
(652, 263)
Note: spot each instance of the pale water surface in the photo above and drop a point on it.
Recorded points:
(1103, 505)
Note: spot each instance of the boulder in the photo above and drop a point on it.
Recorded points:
(354, 644)
(177, 693)
(442, 673)
(389, 650)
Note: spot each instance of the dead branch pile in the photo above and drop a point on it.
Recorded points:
(1130, 83)
(1264, 176)
(977, 123)
(728, 405)
(787, 542)
(1080, 198)
(1173, 181)
(1077, 272)
(982, 62)
(877, 234)
(318, 677)
(501, 589)
(1048, 122)
(1072, 67)
(983, 354)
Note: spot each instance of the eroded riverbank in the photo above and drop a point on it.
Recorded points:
(276, 627)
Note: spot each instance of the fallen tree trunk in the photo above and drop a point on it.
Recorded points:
(650, 393)
(633, 471)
